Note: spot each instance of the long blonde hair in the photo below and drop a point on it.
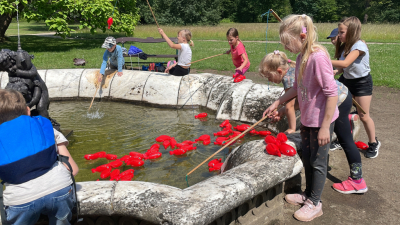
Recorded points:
(353, 35)
(188, 36)
(272, 61)
(291, 27)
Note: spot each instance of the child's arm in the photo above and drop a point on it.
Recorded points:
(170, 43)
(62, 150)
(350, 58)
(120, 62)
(245, 61)
(287, 96)
(104, 63)
(324, 134)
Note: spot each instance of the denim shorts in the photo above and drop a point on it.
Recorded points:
(57, 206)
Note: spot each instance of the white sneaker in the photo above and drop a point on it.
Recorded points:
(335, 146)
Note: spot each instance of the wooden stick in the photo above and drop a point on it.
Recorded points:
(152, 13)
(275, 15)
(94, 96)
(359, 106)
(206, 58)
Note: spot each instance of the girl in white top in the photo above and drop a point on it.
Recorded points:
(353, 55)
(182, 67)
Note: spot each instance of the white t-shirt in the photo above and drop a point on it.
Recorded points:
(184, 55)
(360, 67)
(57, 178)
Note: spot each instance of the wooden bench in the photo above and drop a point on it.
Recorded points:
(123, 40)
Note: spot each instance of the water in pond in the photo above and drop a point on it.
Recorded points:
(119, 128)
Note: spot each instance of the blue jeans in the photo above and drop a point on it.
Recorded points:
(57, 206)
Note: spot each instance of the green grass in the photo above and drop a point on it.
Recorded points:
(56, 53)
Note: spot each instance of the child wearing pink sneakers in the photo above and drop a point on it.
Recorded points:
(238, 52)
(317, 94)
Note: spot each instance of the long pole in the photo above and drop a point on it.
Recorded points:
(152, 13)
(359, 106)
(275, 15)
(94, 96)
(206, 58)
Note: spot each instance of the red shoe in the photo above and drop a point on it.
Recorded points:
(350, 187)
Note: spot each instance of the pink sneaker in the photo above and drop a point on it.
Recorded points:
(296, 199)
(350, 187)
(309, 211)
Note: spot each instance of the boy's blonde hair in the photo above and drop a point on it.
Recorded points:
(291, 28)
(353, 35)
(12, 105)
(272, 61)
(188, 36)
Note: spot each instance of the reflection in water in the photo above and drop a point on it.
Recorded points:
(119, 128)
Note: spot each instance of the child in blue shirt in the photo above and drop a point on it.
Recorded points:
(114, 52)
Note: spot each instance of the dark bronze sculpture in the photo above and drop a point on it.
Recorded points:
(23, 77)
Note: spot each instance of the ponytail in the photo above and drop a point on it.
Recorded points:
(191, 44)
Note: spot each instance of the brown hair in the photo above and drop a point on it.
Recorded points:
(291, 27)
(188, 36)
(12, 105)
(272, 61)
(353, 35)
(233, 32)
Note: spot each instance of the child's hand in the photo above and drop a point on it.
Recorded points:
(167, 70)
(120, 73)
(99, 77)
(270, 109)
(160, 31)
(239, 69)
(227, 52)
(323, 136)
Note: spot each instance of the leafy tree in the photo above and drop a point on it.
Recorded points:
(319, 10)
(249, 11)
(59, 14)
(181, 12)
(384, 11)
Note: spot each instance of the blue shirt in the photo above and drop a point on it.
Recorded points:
(116, 59)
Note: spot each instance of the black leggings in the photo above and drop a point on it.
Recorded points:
(345, 138)
(179, 71)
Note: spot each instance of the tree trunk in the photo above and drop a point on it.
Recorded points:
(5, 21)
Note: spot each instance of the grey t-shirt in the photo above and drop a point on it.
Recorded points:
(184, 55)
(360, 67)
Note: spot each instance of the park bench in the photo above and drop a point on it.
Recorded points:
(123, 40)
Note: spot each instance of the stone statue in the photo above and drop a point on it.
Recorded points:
(23, 77)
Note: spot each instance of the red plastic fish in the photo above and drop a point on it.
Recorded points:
(242, 127)
(235, 75)
(270, 139)
(154, 148)
(127, 177)
(111, 157)
(264, 132)
(110, 22)
(152, 155)
(281, 137)
(115, 164)
(135, 162)
(91, 156)
(166, 144)
(188, 147)
(188, 142)
(361, 145)
(129, 172)
(216, 167)
(273, 149)
(203, 137)
(239, 78)
(213, 162)
(178, 151)
(236, 133)
(101, 154)
(206, 142)
(114, 174)
(105, 173)
(223, 124)
(228, 129)
(101, 168)
(125, 158)
(220, 140)
(172, 143)
(253, 132)
(222, 133)
(287, 149)
(137, 154)
(200, 115)
(162, 138)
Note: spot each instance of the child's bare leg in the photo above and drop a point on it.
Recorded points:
(369, 125)
(291, 116)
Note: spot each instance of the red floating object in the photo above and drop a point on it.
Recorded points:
(152, 155)
(129, 172)
(270, 139)
(125, 158)
(213, 162)
(101, 154)
(223, 124)
(163, 138)
(137, 154)
(235, 75)
(105, 173)
(114, 174)
(281, 137)
(110, 22)
(178, 151)
(242, 127)
(216, 167)
(188, 147)
(287, 149)
(253, 132)
(206, 142)
(111, 157)
(166, 144)
(361, 145)
(273, 149)
(200, 115)
(264, 133)
(188, 142)
(203, 137)
(91, 156)
(101, 168)
(172, 143)
(239, 78)
(222, 133)
(127, 177)
(220, 140)
(154, 148)
(135, 162)
(115, 164)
